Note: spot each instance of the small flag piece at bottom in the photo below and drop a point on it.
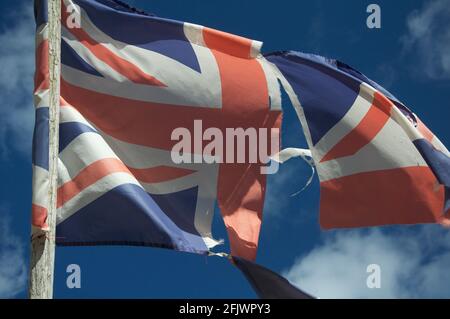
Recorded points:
(268, 284)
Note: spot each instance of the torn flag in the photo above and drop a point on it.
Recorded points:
(378, 164)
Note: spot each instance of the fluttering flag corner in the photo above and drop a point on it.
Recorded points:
(378, 164)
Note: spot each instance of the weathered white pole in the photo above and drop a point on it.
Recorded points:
(43, 245)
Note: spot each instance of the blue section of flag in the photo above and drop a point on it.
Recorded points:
(40, 12)
(439, 164)
(355, 73)
(148, 32)
(126, 215)
(70, 58)
(69, 131)
(41, 138)
(325, 92)
(180, 207)
(436, 160)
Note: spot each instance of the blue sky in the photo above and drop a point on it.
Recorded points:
(409, 55)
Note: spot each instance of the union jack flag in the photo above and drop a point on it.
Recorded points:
(128, 79)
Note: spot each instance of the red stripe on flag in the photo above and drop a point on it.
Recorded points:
(38, 216)
(88, 176)
(63, 102)
(372, 123)
(124, 67)
(159, 173)
(407, 195)
(104, 167)
(137, 122)
(245, 103)
(227, 43)
(41, 76)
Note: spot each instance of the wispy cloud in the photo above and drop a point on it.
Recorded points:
(317, 27)
(13, 270)
(16, 82)
(414, 264)
(428, 37)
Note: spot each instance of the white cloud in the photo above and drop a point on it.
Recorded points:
(414, 264)
(16, 82)
(13, 270)
(429, 37)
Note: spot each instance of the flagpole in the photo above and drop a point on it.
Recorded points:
(42, 261)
